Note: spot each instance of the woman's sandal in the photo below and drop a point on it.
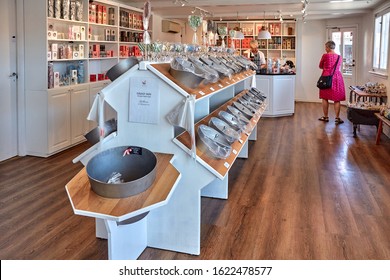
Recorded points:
(324, 119)
(338, 121)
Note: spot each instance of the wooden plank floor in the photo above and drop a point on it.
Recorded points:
(308, 191)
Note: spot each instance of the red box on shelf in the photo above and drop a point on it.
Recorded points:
(136, 51)
(99, 14)
(101, 77)
(92, 78)
(104, 15)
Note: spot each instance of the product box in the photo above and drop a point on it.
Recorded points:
(76, 55)
(99, 9)
(54, 47)
(92, 13)
(113, 35)
(130, 20)
(74, 74)
(107, 34)
(111, 16)
(54, 55)
(92, 78)
(104, 15)
(81, 51)
(82, 33)
(56, 79)
(48, 55)
(101, 77)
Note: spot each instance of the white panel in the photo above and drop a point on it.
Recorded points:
(8, 124)
(244, 151)
(221, 98)
(79, 98)
(217, 188)
(264, 84)
(59, 120)
(283, 95)
(176, 226)
(126, 242)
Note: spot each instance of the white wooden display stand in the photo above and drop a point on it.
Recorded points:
(176, 225)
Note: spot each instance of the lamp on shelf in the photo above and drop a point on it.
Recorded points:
(264, 33)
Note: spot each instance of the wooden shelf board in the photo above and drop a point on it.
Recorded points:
(86, 202)
(203, 90)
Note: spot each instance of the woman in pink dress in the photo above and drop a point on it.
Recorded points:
(337, 92)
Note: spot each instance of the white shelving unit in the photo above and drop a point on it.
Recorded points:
(67, 61)
(282, 44)
(177, 225)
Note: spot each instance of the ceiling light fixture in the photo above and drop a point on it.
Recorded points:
(202, 12)
(280, 16)
(181, 2)
(264, 33)
(238, 35)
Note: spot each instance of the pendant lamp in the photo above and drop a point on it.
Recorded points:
(264, 33)
(238, 35)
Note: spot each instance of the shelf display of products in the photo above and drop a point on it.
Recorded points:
(280, 46)
(72, 44)
(94, 31)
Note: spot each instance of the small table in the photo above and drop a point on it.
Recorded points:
(363, 116)
(382, 120)
(356, 94)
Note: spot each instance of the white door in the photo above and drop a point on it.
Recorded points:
(8, 111)
(345, 46)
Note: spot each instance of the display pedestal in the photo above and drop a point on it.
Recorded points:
(142, 98)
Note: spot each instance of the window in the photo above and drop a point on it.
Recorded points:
(381, 42)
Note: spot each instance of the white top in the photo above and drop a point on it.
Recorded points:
(250, 54)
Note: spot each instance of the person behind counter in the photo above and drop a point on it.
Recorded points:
(337, 92)
(254, 54)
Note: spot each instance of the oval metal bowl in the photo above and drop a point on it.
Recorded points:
(252, 98)
(233, 121)
(247, 113)
(237, 113)
(250, 105)
(214, 142)
(248, 126)
(222, 127)
(137, 167)
(117, 70)
(186, 78)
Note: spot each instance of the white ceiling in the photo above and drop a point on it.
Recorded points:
(254, 9)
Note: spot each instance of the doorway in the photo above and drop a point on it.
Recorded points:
(345, 39)
(8, 81)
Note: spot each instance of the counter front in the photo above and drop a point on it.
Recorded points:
(280, 92)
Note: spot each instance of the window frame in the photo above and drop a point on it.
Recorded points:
(377, 45)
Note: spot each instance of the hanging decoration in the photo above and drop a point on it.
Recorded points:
(222, 31)
(146, 17)
(195, 21)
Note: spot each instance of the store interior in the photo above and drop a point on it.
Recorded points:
(233, 162)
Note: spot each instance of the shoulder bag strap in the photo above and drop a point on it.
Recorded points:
(334, 68)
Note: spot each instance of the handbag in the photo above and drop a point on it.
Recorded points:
(325, 82)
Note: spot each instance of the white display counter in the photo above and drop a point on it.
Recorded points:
(280, 92)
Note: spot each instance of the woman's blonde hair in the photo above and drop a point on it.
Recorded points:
(254, 44)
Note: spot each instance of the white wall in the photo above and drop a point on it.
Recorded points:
(185, 36)
(158, 35)
(311, 39)
(310, 47)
